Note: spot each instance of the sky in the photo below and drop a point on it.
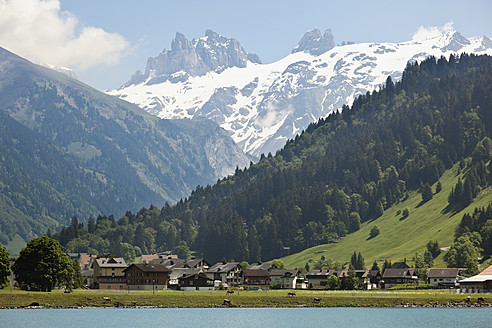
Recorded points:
(106, 41)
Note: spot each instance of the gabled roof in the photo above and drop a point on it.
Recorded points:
(443, 273)
(181, 272)
(399, 265)
(164, 256)
(149, 267)
(111, 262)
(262, 266)
(180, 263)
(398, 273)
(485, 275)
(486, 272)
(86, 258)
(361, 273)
(284, 273)
(223, 267)
(200, 274)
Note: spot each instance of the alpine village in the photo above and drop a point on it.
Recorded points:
(389, 193)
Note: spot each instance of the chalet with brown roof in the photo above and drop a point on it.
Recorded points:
(227, 274)
(257, 279)
(196, 281)
(145, 276)
(444, 277)
(108, 272)
(177, 273)
(375, 279)
(393, 277)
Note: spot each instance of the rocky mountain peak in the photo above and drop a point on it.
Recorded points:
(452, 40)
(213, 52)
(314, 43)
(180, 43)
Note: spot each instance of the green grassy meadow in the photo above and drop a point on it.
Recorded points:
(278, 298)
(399, 237)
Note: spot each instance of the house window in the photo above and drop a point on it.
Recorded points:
(109, 286)
(147, 280)
(129, 274)
(129, 281)
(191, 282)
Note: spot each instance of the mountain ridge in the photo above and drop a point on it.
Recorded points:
(262, 106)
(122, 157)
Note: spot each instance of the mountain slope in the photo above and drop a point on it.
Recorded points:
(264, 105)
(400, 237)
(342, 172)
(137, 158)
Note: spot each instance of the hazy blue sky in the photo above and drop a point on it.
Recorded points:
(268, 28)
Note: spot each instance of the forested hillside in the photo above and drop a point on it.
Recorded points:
(69, 149)
(346, 169)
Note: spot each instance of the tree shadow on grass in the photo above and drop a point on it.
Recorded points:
(453, 208)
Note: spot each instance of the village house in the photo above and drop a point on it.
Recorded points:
(444, 277)
(177, 273)
(363, 278)
(393, 277)
(257, 279)
(196, 281)
(318, 279)
(85, 260)
(145, 276)
(227, 274)
(108, 272)
(375, 279)
(481, 283)
(284, 278)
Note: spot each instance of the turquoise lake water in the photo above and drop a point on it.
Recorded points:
(247, 317)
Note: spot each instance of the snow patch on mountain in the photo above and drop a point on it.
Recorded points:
(264, 105)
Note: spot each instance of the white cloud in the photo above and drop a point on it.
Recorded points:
(39, 31)
(424, 33)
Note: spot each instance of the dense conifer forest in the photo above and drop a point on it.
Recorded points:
(343, 170)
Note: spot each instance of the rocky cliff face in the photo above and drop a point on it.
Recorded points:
(314, 43)
(264, 105)
(194, 58)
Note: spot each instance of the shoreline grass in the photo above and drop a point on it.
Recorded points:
(210, 299)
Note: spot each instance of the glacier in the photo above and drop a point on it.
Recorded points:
(262, 106)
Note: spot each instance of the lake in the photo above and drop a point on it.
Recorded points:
(250, 317)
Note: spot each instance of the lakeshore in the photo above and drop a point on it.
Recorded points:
(17, 299)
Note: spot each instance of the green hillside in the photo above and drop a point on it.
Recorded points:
(338, 178)
(68, 150)
(400, 238)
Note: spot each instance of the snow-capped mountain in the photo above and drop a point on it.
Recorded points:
(264, 105)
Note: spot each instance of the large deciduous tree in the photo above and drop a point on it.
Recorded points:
(464, 252)
(43, 264)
